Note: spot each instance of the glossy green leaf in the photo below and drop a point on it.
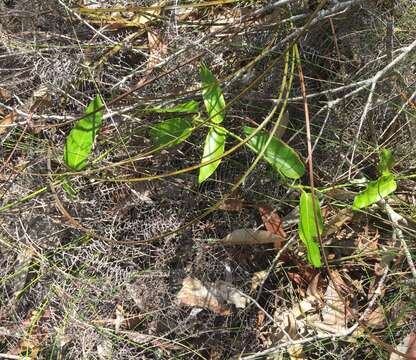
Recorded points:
(188, 107)
(172, 131)
(213, 148)
(212, 95)
(281, 156)
(308, 231)
(386, 162)
(80, 140)
(376, 190)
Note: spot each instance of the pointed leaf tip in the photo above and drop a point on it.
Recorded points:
(281, 156)
(171, 132)
(212, 95)
(308, 232)
(79, 143)
(213, 148)
(375, 191)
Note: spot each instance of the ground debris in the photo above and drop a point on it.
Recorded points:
(407, 346)
(334, 312)
(272, 222)
(216, 297)
(251, 237)
(6, 121)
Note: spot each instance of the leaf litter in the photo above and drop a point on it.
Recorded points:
(219, 297)
(216, 297)
(251, 237)
(6, 122)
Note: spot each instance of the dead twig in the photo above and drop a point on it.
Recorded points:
(373, 83)
(359, 320)
(397, 222)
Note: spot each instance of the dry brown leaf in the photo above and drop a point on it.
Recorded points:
(295, 277)
(232, 205)
(137, 337)
(258, 278)
(334, 313)
(376, 319)
(7, 120)
(157, 49)
(214, 297)
(304, 307)
(195, 294)
(260, 318)
(407, 346)
(229, 294)
(304, 274)
(251, 237)
(312, 290)
(119, 317)
(105, 349)
(368, 243)
(223, 17)
(5, 94)
(296, 352)
(340, 282)
(34, 337)
(341, 194)
(291, 328)
(121, 20)
(272, 222)
(411, 348)
(379, 268)
(337, 222)
(293, 321)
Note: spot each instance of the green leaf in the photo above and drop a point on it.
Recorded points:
(376, 190)
(188, 107)
(213, 148)
(175, 130)
(80, 140)
(308, 232)
(386, 162)
(212, 95)
(281, 156)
